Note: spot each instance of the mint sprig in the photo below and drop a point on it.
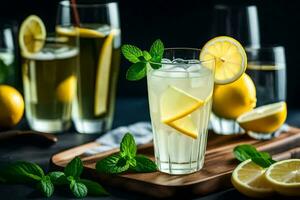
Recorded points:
(142, 59)
(246, 151)
(126, 159)
(28, 173)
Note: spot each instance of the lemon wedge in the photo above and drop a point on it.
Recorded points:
(65, 91)
(82, 32)
(175, 104)
(249, 179)
(264, 119)
(186, 126)
(284, 176)
(32, 35)
(103, 76)
(230, 58)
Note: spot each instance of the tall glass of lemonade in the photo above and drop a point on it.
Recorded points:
(98, 29)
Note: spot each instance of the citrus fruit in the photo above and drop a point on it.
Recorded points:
(103, 76)
(11, 106)
(186, 126)
(284, 176)
(82, 32)
(249, 179)
(264, 119)
(65, 91)
(32, 35)
(175, 104)
(230, 58)
(234, 99)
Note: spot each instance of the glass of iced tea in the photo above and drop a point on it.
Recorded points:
(98, 29)
(49, 73)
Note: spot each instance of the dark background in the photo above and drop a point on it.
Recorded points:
(182, 23)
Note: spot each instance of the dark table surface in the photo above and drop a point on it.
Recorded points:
(128, 111)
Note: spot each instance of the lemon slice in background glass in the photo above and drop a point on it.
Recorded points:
(284, 176)
(249, 179)
(264, 119)
(66, 90)
(82, 32)
(175, 104)
(32, 35)
(230, 58)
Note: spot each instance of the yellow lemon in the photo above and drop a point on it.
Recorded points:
(32, 35)
(66, 90)
(264, 119)
(230, 58)
(249, 179)
(186, 126)
(234, 99)
(11, 106)
(82, 32)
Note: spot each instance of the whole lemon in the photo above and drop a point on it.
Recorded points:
(11, 106)
(232, 100)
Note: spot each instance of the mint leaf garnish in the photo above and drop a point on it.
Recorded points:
(58, 178)
(137, 71)
(246, 151)
(126, 159)
(94, 188)
(142, 59)
(21, 172)
(78, 189)
(131, 53)
(144, 164)
(128, 146)
(45, 186)
(74, 168)
(112, 165)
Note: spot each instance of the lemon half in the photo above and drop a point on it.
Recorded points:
(284, 176)
(264, 119)
(249, 179)
(230, 58)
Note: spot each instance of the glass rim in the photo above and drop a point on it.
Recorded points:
(185, 49)
(67, 3)
(265, 48)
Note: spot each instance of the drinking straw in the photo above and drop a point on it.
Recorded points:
(75, 11)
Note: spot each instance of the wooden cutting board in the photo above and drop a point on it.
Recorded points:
(215, 175)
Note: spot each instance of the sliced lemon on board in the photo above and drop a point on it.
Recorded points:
(32, 35)
(249, 179)
(186, 126)
(175, 104)
(103, 76)
(82, 32)
(230, 58)
(264, 119)
(284, 176)
(65, 91)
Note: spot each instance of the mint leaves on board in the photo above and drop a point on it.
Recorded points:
(126, 160)
(142, 59)
(246, 151)
(31, 173)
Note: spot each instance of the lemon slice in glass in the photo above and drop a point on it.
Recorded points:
(175, 104)
(65, 91)
(82, 32)
(249, 179)
(284, 176)
(264, 119)
(230, 58)
(32, 35)
(186, 126)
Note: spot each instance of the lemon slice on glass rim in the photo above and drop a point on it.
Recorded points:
(32, 35)
(230, 58)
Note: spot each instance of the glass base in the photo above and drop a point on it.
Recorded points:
(223, 126)
(49, 126)
(179, 168)
(97, 126)
(263, 136)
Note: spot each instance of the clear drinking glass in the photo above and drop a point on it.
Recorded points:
(240, 22)
(177, 149)
(49, 81)
(98, 28)
(267, 68)
(8, 68)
